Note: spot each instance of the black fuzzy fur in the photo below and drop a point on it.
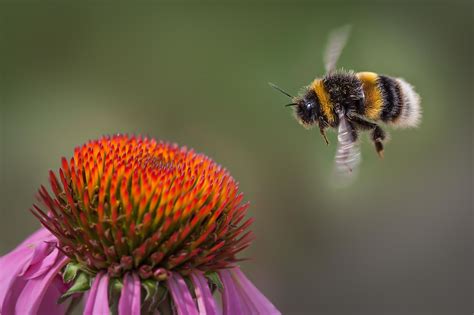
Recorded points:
(308, 109)
(345, 90)
(392, 98)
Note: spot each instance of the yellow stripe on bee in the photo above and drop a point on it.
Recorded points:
(373, 94)
(324, 99)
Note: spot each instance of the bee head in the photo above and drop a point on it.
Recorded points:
(306, 109)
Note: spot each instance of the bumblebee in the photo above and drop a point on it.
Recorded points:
(352, 102)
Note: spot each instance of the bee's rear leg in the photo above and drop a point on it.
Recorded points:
(378, 135)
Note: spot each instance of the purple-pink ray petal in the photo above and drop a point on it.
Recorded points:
(41, 234)
(42, 266)
(252, 294)
(129, 303)
(205, 300)
(9, 303)
(17, 262)
(42, 249)
(98, 297)
(50, 305)
(232, 301)
(181, 296)
(10, 266)
(33, 293)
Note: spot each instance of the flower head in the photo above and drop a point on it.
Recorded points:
(139, 226)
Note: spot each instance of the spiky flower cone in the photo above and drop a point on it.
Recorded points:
(126, 203)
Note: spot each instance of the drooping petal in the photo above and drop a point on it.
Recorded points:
(15, 263)
(41, 250)
(251, 294)
(39, 267)
(32, 295)
(181, 296)
(98, 297)
(129, 303)
(50, 305)
(10, 266)
(41, 234)
(9, 303)
(232, 301)
(205, 300)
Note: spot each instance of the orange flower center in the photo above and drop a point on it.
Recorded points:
(125, 203)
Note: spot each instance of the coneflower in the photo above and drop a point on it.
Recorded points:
(134, 226)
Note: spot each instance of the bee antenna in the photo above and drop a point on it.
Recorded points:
(291, 104)
(279, 89)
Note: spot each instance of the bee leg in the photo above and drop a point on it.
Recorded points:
(323, 134)
(354, 132)
(378, 135)
(322, 129)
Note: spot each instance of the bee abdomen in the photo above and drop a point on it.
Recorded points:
(401, 104)
(410, 113)
(391, 100)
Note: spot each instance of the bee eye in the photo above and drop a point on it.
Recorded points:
(309, 106)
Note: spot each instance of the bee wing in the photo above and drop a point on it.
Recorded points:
(337, 41)
(348, 153)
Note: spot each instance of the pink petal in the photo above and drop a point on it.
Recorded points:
(17, 261)
(252, 294)
(205, 300)
(35, 289)
(50, 305)
(129, 303)
(181, 296)
(9, 303)
(10, 266)
(232, 301)
(98, 297)
(42, 249)
(40, 267)
(40, 235)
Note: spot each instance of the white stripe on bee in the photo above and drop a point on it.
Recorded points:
(410, 115)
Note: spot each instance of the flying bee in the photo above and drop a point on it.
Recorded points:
(351, 102)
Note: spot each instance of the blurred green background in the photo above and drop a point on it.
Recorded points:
(398, 241)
